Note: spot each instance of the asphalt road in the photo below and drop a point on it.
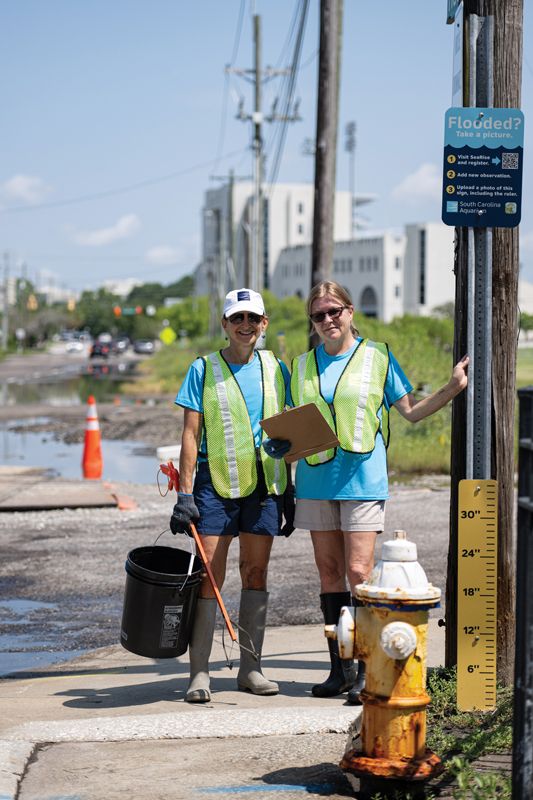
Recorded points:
(62, 572)
(70, 565)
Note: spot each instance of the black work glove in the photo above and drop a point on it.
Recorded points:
(289, 507)
(184, 513)
(276, 448)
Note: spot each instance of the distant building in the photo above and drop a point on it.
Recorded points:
(56, 294)
(387, 273)
(121, 286)
(287, 222)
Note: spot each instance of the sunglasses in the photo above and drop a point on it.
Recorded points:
(236, 319)
(332, 313)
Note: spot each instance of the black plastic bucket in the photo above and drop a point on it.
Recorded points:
(162, 585)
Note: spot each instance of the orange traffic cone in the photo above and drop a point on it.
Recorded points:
(92, 463)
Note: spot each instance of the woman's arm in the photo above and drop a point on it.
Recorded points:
(190, 442)
(414, 410)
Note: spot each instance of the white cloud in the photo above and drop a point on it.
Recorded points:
(162, 255)
(28, 188)
(526, 241)
(123, 228)
(423, 184)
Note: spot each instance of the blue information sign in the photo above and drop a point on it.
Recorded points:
(482, 175)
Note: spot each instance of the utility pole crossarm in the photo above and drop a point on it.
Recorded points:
(258, 76)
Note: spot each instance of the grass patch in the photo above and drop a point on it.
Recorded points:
(422, 345)
(461, 737)
(524, 367)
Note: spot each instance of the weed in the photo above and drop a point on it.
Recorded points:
(460, 737)
(472, 785)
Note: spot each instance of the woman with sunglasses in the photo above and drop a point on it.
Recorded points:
(238, 489)
(341, 493)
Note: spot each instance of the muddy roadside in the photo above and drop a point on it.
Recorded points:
(153, 420)
(62, 572)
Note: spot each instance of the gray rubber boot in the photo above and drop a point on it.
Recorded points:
(252, 619)
(200, 650)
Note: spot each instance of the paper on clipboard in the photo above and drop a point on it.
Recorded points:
(306, 429)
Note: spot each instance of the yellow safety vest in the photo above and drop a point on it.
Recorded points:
(359, 393)
(231, 451)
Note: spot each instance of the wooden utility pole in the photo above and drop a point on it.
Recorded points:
(326, 137)
(507, 75)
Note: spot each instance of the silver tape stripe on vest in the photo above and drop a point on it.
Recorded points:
(270, 363)
(302, 363)
(302, 370)
(223, 404)
(366, 376)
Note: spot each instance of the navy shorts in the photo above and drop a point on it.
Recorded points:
(222, 517)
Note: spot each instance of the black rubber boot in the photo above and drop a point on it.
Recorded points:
(342, 674)
(354, 695)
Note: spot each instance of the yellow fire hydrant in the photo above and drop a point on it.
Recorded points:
(391, 637)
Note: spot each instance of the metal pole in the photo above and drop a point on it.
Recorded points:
(5, 305)
(222, 283)
(257, 267)
(231, 234)
(479, 302)
(350, 149)
(523, 678)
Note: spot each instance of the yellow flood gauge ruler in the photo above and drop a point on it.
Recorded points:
(476, 595)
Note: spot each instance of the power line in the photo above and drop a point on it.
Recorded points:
(224, 111)
(122, 190)
(289, 93)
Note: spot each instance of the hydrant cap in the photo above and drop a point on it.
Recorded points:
(399, 548)
(398, 575)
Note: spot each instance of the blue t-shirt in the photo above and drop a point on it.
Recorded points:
(350, 476)
(248, 376)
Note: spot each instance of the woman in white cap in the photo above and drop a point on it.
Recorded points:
(238, 490)
(341, 493)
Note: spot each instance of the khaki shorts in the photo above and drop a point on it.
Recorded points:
(340, 515)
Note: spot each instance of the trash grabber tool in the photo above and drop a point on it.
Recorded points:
(173, 483)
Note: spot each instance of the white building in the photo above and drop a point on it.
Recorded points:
(287, 222)
(121, 286)
(386, 274)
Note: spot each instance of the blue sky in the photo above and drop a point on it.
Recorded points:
(116, 113)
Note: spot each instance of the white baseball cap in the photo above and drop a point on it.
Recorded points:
(243, 300)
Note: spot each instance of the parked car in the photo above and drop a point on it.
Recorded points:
(120, 344)
(100, 350)
(144, 346)
(74, 346)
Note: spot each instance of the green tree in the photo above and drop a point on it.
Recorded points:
(146, 294)
(182, 288)
(526, 323)
(191, 316)
(95, 312)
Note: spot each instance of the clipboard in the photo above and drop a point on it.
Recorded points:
(306, 429)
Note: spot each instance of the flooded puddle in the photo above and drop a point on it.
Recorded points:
(32, 633)
(19, 648)
(123, 460)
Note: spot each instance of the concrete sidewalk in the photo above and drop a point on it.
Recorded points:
(111, 724)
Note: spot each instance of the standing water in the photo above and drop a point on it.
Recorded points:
(123, 460)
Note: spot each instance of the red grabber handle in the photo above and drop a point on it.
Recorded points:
(173, 475)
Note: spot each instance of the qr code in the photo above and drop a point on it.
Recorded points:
(510, 160)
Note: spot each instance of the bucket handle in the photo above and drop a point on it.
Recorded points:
(194, 553)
